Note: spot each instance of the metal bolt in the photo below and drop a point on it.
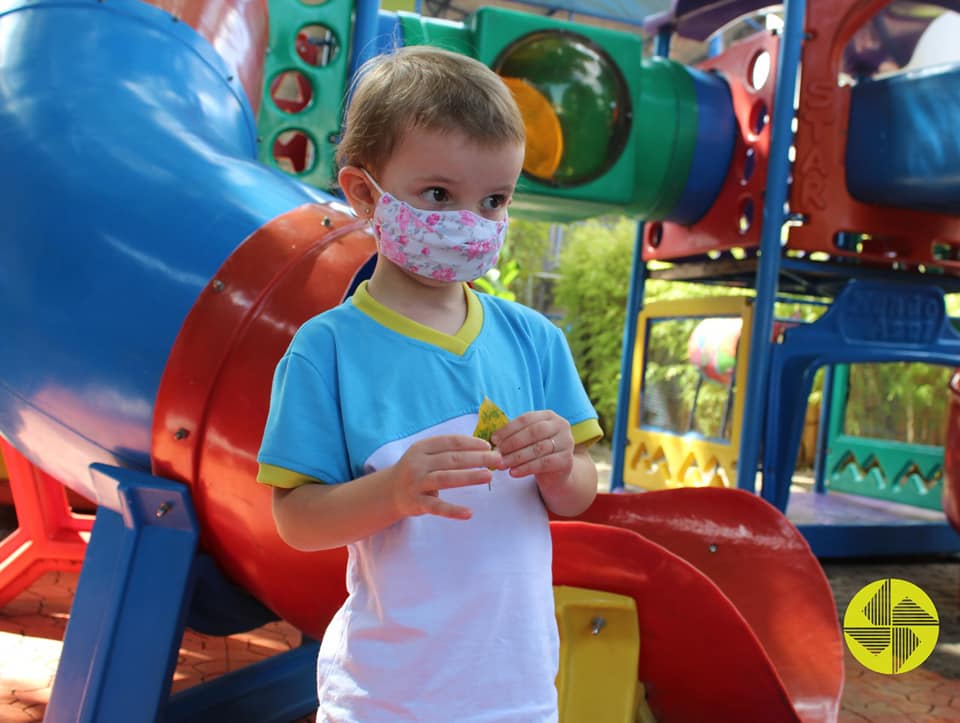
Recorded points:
(218, 286)
(712, 548)
(163, 509)
(656, 235)
(597, 624)
(327, 221)
(181, 434)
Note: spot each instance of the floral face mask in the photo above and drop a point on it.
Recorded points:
(441, 245)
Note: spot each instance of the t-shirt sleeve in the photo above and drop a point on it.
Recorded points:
(565, 393)
(303, 439)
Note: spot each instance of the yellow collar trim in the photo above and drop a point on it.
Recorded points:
(456, 344)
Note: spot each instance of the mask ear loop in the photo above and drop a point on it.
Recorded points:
(368, 211)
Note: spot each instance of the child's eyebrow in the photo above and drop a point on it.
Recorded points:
(441, 180)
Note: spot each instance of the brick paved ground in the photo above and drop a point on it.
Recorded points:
(31, 628)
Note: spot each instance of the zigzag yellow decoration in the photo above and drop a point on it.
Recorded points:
(657, 459)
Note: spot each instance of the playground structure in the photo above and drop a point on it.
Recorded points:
(829, 222)
(184, 259)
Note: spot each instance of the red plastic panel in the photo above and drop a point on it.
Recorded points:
(699, 660)
(760, 564)
(819, 190)
(214, 395)
(742, 192)
(238, 29)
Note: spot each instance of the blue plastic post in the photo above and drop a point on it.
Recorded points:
(365, 29)
(638, 275)
(661, 45)
(279, 689)
(126, 623)
(823, 433)
(774, 217)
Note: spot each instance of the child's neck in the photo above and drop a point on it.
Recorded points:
(442, 308)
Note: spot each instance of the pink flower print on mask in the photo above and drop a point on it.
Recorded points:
(392, 251)
(447, 246)
(404, 218)
(478, 248)
(444, 273)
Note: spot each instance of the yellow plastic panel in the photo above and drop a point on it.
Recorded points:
(599, 653)
(659, 459)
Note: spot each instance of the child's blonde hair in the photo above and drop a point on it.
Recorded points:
(425, 87)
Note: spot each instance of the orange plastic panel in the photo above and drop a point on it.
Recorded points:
(237, 29)
(49, 535)
(762, 566)
(699, 659)
(819, 190)
(214, 395)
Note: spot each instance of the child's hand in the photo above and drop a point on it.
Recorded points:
(439, 463)
(538, 443)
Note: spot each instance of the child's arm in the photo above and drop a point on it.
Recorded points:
(323, 516)
(541, 444)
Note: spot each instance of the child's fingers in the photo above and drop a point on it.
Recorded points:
(524, 431)
(539, 466)
(450, 479)
(436, 506)
(449, 461)
(452, 443)
(541, 449)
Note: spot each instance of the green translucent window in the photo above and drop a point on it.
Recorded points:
(575, 104)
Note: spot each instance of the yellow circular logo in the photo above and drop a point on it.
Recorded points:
(891, 626)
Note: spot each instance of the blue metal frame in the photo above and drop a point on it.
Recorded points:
(870, 321)
(128, 615)
(638, 275)
(774, 217)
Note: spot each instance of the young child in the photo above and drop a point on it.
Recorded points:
(368, 444)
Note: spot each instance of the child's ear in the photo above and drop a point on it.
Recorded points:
(358, 190)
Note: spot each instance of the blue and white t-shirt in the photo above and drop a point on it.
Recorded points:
(445, 620)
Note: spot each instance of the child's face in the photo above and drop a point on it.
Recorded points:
(432, 170)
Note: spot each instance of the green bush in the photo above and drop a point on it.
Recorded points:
(592, 291)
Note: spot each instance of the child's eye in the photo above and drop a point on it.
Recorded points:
(436, 195)
(492, 203)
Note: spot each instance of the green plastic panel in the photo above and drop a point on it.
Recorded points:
(650, 170)
(446, 34)
(653, 132)
(891, 470)
(314, 121)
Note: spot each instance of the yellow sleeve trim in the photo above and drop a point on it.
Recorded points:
(587, 432)
(274, 476)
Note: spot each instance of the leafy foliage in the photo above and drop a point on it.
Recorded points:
(891, 401)
(592, 290)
